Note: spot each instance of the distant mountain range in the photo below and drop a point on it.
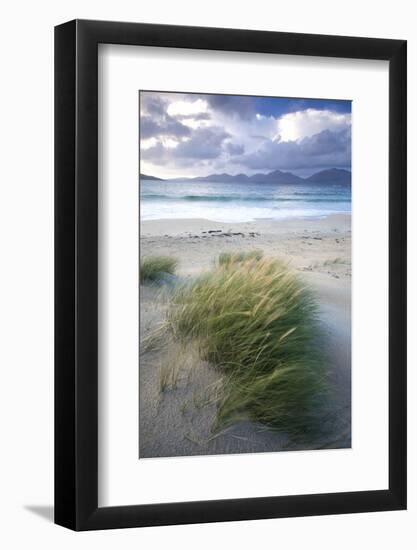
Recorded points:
(335, 175)
(146, 177)
(331, 176)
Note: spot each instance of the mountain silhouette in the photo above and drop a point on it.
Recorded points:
(331, 176)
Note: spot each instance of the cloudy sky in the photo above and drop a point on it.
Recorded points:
(198, 134)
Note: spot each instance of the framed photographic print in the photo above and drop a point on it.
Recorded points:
(230, 235)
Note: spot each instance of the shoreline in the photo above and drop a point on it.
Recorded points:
(303, 243)
(177, 225)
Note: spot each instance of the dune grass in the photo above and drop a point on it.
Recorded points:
(153, 267)
(254, 320)
(235, 257)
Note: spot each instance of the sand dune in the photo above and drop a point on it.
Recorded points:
(175, 410)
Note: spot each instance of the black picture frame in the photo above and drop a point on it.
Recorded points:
(76, 273)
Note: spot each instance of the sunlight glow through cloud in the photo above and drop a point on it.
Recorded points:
(301, 124)
(200, 134)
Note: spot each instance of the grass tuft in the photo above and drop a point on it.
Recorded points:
(254, 320)
(236, 257)
(153, 267)
(168, 376)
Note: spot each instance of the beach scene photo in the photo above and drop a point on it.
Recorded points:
(244, 274)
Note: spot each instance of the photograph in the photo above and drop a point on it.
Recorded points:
(245, 274)
(208, 335)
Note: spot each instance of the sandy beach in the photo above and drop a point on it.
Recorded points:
(176, 415)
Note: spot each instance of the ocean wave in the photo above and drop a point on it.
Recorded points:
(233, 215)
(240, 203)
(336, 191)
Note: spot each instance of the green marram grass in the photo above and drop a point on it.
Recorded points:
(236, 257)
(153, 267)
(256, 322)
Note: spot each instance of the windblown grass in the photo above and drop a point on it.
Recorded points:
(235, 257)
(153, 267)
(169, 376)
(254, 320)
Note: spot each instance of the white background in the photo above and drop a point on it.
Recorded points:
(26, 400)
(123, 479)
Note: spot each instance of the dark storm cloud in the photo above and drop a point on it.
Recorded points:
(195, 132)
(327, 148)
(240, 106)
(155, 121)
(152, 104)
(328, 142)
(165, 126)
(234, 149)
(205, 143)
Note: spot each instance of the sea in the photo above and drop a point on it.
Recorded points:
(241, 202)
